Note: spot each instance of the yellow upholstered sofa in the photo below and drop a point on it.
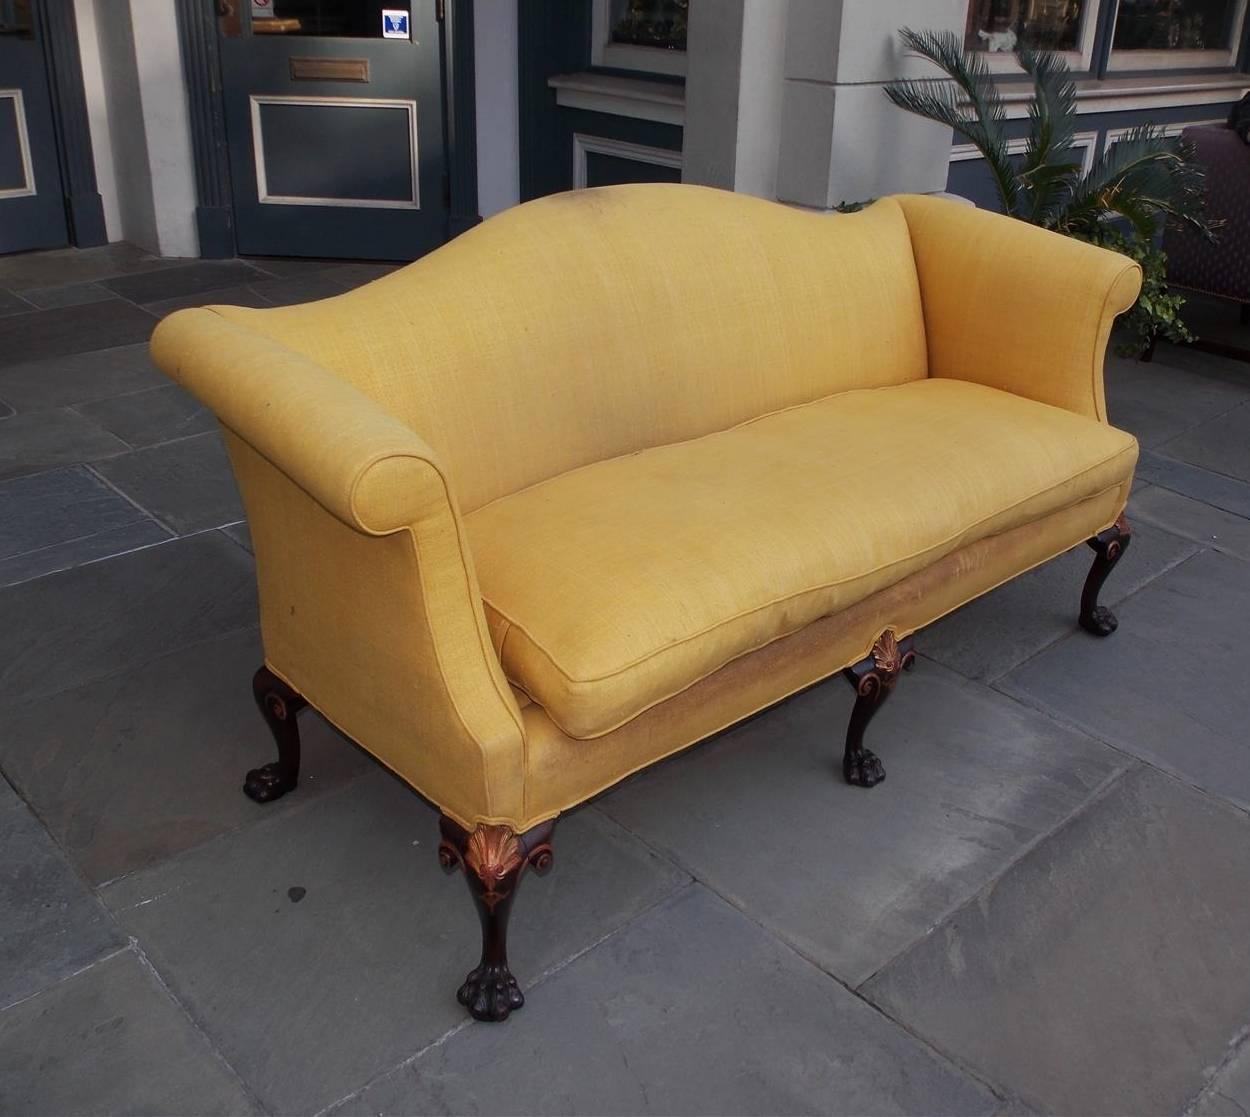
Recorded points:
(621, 467)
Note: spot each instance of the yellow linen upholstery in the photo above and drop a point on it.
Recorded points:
(587, 325)
(848, 398)
(1016, 307)
(616, 586)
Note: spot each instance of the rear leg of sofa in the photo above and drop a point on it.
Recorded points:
(873, 679)
(279, 705)
(494, 859)
(1108, 546)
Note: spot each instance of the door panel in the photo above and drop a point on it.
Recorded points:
(335, 133)
(32, 204)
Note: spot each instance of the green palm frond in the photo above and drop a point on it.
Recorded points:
(1145, 178)
(1048, 169)
(968, 103)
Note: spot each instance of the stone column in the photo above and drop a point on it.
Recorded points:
(734, 83)
(840, 139)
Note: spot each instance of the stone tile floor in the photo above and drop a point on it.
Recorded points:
(1046, 908)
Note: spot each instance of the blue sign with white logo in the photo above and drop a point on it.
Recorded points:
(394, 23)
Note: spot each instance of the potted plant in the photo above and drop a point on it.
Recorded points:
(1136, 185)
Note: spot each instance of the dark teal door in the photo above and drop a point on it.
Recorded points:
(32, 202)
(334, 117)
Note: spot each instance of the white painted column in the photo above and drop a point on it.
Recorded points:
(735, 56)
(841, 140)
(140, 128)
(495, 88)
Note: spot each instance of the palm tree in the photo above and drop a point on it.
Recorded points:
(1137, 184)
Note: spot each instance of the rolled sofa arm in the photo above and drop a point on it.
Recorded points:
(1016, 307)
(366, 467)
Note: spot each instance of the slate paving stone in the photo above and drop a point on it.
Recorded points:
(1106, 968)
(321, 284)
(240, 533)
(1228, 1094)
(228, 296)
(1221, 445)
(5, 410)
(40, 440)
(76, 265)
(111, 1042)
(1170, 685)
(1192, 519)
(185, 279)
(43, 334)
(78, 552)
(130, 770)
(282, 266)
(1201, 484)
(72, 294)
(12, 304)
(853, 876)
(146, 418)
(309, 1000)
(96, 620)
(187, 485)
(64, 381)
(58, 506)
(725, 1046)
(988, 637)
(1157, 402)
(51, 925)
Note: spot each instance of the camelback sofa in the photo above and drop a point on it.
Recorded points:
(618, 468)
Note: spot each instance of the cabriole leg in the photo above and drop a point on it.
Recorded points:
(873, 679)
(1108, 546)
(494, 859)
(278, 705)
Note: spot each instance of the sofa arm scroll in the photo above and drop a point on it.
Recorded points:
(1016, 307)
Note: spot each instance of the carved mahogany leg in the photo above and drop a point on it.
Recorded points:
(1108, 546)
(493, 859)
(873, 679)
(278, 705)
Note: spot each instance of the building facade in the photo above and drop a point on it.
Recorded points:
(345, 128)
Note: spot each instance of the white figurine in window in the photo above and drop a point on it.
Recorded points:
(999, 40)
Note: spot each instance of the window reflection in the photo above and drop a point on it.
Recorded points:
(650, 23)
(1005, 25)
(1174, 25)
(337, 19)
(14, 17)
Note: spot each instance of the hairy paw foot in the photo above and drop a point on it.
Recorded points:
(490, 993)
(268, 783)
(863, 768)
(1101, 621)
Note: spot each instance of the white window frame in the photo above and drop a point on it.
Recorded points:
(1084, 142)
(1079, 60)
(584, 145)
(1179, 59)
(627, 56)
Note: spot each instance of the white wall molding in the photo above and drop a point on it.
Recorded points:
(1085, 142)
(584, 145)
(643, 100)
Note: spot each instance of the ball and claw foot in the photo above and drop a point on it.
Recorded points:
(1101, 621)
(267, 783)
(863, 768)
(490, 993)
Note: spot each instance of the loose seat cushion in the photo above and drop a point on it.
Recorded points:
(615, 586)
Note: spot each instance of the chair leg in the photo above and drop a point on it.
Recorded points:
(493, 859)
(279, 705)
(1108, 546)
(873, 679)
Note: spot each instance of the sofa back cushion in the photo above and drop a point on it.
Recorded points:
(587, 325)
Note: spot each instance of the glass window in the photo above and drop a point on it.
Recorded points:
(1004, 25)
(650, 23)
(340, 19)
(1174, 25)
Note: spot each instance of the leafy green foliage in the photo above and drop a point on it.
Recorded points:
(1157, 312)
(1139, 183)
